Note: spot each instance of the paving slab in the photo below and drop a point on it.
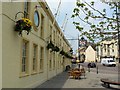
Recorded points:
(91, 80)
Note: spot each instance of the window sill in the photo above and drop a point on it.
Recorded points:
(50, 69)
(23, 75)
(41, 71)
(33, 73)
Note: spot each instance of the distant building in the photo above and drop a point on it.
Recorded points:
(90, 54)
(108, 48)
(82, 47)
(86, 50)
(82, 55)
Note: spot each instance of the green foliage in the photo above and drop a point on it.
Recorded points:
(56, 49)
(104, 21)
(92, 26)
(53, 47)
(86, 17)
(50, 45)
(76, 23)
(80, 4)
(79, 28)
(72, 16)
(92, 3)
(66, 54)
(104, 10)
(101, 22)
(76, 10)
(86, 8)
(62, 52)
(23, 24)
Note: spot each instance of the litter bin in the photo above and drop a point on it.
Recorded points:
(67, 68)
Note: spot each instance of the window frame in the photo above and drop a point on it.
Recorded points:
(34, 58)
(41, 60)
(26, 68)
(38, 18)
(50, 61)
(42, 25)
(36, 28)
(54, 61)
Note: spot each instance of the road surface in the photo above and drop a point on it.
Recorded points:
(104, 69)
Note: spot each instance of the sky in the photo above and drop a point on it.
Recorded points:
(66, 7)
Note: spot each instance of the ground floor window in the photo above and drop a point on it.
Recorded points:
(34, 60)
(50, 61)
(53, 60)
(41, 58)
(24, 59)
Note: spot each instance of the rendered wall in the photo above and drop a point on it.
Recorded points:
(90, 54)
(12, 45)
(0, 44)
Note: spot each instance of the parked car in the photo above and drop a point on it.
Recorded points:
(91, 65)
(108, 62)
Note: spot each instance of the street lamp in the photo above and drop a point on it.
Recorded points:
(117, 18)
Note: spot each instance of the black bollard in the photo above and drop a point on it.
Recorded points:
(97, 69)
(88, 69)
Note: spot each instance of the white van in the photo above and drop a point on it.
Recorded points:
(108, 62)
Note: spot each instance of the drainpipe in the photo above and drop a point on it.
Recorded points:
(117, 18)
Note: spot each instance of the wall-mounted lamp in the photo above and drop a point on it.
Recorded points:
(38, 6)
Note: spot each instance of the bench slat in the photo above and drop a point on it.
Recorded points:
(110, 82)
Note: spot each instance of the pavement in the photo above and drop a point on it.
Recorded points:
(91, 80)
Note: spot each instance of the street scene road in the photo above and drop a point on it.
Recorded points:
(103, 69)
(91, 79)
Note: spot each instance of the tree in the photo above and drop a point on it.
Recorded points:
(104, 20)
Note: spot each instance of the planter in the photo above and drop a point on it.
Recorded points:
(50, 46)
(23, 24)
(62, 52)
(56, 49)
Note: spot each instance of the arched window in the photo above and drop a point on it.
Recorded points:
(36, 18)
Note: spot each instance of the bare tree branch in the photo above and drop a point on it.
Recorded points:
(103, 15)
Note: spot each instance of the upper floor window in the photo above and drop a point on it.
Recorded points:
(36, 18)
(34, 67)
(51, 33)
(54, 37)
(42, 26)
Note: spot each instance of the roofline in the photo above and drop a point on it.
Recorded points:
(44, 5)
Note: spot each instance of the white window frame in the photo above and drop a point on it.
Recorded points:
(41, 59)
(24, 54)
(34, 58)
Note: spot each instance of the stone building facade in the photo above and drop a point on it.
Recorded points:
(26, 60)
(108, 48)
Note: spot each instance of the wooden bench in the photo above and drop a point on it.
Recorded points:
(107, 82)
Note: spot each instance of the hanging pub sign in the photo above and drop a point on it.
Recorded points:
(82, 42)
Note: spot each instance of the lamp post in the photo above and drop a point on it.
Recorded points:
(117, 19)
(78, 48)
